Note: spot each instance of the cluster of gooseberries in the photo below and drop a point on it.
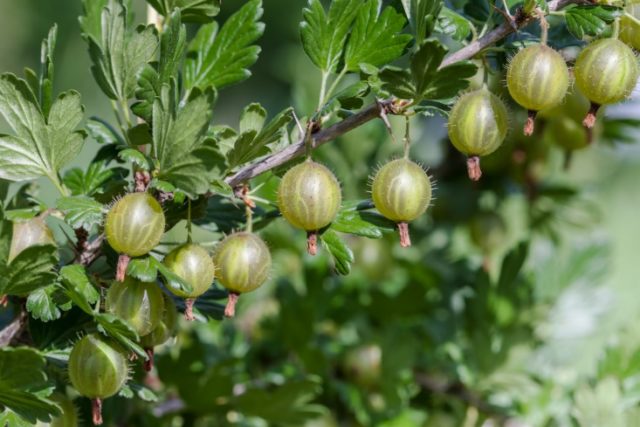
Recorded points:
(538, 79)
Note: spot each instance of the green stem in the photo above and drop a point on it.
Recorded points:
(334, 85)
(323, 89)
(616, 28)
(631, 17)
(125, 110)
(58, 184)
(188, 220)
(249, 214)
(407, 137)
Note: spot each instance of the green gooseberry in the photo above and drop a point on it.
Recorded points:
(139, 303)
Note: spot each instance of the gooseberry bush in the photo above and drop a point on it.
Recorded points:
(418, 298)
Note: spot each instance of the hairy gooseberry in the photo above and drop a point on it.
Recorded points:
(97, 369)
(606, 72)
(134, 226)
(401, 191)
(537, 79)
(193, 264)
(139, 303)
(243, 262)
(68, 417)
(478, 124)
(29, 233)
(165, 329)
(630, 29)
(309, 198)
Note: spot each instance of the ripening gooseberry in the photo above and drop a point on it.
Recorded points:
(401, 191)
(243, 262)
(29, 233)
(478, 124)
(134, 226)
(193, 264)
(537, 79)
(309, 197)
(630, 29)
(165, 329)
(606, 72)
(97, 369)
(139, 303)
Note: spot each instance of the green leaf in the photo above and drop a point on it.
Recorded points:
(186, 159)
(136, 157)
(121, 331)
(422, 16)
(140, 135)
(81, 211)
(120, 52)
(424, 80)
(219, 59)
(103, 132)
(39, 146)
(590, 20)
(32, 269)
(172, 280)
(75, 276)
(376, 38)
(254, 139)
(511, 266)
(324, 35)
(46, 78)
(192, 10)
(453, 24)
(6, 231)
(94, 181)
(41, 304)
(360, 223)
(144, 269)
(23, 383)
(289, 403)
(342, 254)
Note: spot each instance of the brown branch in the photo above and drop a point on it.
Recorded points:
(380, 107)
(13, 329)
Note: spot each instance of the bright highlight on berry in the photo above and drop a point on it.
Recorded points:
(401, 191)
(309, 197)
(478, 124)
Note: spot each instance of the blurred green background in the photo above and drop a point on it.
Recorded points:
(411, 337)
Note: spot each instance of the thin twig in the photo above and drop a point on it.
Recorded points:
(373, 111)
(13, 329)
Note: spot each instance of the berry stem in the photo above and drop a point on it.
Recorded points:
(590, 119)
(616, 29)
(403, 230)
(188, 309)
(121, 269)
(189, 220)
(96, 409)
(148, 364)
(312, 242)
(544, 27)
(407, 136)
(230, 308)
(473, 168)
(530, 124)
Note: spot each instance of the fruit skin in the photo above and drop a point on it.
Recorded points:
(538, 78)
(135, 224)
(96, 368)
(166, 327)
(567, 133)
(244, 262)
(488, 231)
(193, 264)
(630, 30)
(29, 233)
(139, 303)
(478, 123)
(309, 196)
(69, 416)
(606, 71)
(401, 190)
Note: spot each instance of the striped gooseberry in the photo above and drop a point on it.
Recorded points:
(165, 329)
(478, 124)
(606, 72)
(537, 79)
(139, 303)
(29, 233)
(193, 264)
(244, 263)
(401, 191)
(630, 28)
(309, 197)
(134, 226)
(97, 369)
